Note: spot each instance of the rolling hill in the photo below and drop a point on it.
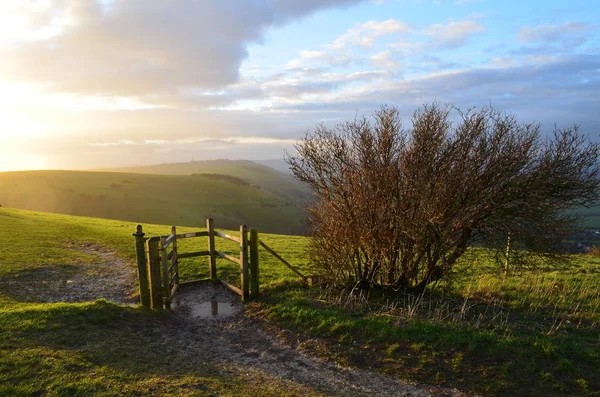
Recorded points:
(168, 199)
(267, 178)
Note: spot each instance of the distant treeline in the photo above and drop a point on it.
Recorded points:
(227, 178)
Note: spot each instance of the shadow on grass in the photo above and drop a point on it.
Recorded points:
(101, 348)
(494, 359)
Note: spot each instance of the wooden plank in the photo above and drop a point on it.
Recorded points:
(173, 269)
(140, 252)
(228, 257)
(228, 237)
(184, 284)
(166, 279)
(231, 287)
(174, 258)
(174, 289)
(212, 262)
(181, 236)
(153, 260)
(168, 240)
(276, 255)
(254, 287)
(245, 280)
(190, 235)
(193, 254)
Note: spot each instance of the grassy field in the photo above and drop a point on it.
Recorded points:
(280, 184)
(532, 333)
(101, 348)
(591, 217)
(163, 199)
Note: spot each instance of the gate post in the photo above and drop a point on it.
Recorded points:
(166, 295)
(244, 262)
(156, 293)
(140, 254)
(212, 261)
(254, 288)
(174, 260)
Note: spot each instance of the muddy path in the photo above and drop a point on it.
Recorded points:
(239, 341)
(234, 342)
(108, 277)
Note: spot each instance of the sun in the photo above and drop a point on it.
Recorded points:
(16, 135)
(17, 162)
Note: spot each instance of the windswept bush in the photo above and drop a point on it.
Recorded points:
(399, 206)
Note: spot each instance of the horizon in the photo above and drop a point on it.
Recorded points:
(154, 82)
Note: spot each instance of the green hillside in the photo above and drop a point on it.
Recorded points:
(529, 333)
(591, 217)
(280, 184)
(167, 199)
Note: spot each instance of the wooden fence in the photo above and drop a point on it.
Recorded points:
(158, 267)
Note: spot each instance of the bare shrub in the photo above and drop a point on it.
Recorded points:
(397, 207)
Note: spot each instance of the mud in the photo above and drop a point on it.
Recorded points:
(109, 277)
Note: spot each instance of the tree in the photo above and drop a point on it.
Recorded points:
(398, 207)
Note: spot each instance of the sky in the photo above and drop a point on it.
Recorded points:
(101, 83)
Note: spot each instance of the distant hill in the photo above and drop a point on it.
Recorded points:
(277, 164)
(266, 177)
(166, 199)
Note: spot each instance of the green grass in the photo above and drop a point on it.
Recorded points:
(99, 348)
(161, 199)
(591, 217)
(533, 333)
(278, 183)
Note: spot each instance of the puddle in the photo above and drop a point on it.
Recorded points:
(206, 301)
(212, 309)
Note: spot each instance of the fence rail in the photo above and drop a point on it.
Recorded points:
(158, 268)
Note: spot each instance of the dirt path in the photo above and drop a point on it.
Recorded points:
(108, 277)
(236, 343)
(241, 341)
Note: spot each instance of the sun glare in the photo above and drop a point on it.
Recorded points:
(21, 162)
(16, 132)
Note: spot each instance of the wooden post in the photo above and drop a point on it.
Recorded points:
(140, 253)
(166, 293)
(212, 260)
(244, 262)
(174, 261)
(254, 288)
(156, 293)
(506, 262)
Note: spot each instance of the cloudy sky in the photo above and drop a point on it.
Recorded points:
(96, 83)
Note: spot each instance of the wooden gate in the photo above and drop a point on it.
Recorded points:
(158, 263)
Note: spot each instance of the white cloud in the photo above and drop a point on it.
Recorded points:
(306, 54)
(115, 143)
(136, 47)
(364, 34)
(453, 34)
(384, 59)
(551, 33)
(213, 140)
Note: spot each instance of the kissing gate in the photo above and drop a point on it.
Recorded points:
(158, 267)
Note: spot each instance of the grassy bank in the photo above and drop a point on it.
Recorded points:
(532, 333)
